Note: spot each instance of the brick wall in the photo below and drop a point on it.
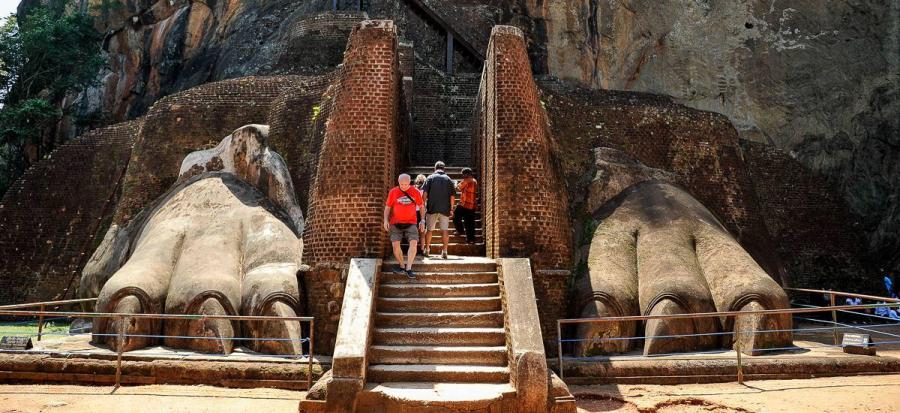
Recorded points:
(296, 129)
(525, 205)
(701, 148)
(815, 234)
(442, 116)
(187, 121)
(315, 44)
(50, 216)
(356, 166)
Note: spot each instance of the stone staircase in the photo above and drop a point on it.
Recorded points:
(437, 336)
(463, 336)
(457, 244)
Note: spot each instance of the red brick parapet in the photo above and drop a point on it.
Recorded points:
(526, 206)
(357, 164)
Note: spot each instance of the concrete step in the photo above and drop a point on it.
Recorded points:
(442, 336)
(453, 263)
(425, 277)
(437, 397)
(469, 319)
(439, 290)
(437, 373)
(437, 304)
(481, 355)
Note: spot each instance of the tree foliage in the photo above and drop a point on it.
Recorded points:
(43, 58)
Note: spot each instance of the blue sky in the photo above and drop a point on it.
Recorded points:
(7, 7)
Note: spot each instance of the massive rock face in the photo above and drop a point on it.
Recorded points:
(157, 47)
(819, 81)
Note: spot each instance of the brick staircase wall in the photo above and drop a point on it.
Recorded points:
(443, 115)
(356, 166)
(50, 217)
(525, 205)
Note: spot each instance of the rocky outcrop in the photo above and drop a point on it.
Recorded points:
(819, 82)
(157, 47)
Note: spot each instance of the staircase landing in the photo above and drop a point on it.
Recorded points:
(437, 397)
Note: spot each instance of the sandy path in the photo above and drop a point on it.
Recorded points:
(46, 398)
(836, 394)
(832, 394)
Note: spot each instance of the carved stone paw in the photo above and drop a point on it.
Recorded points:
(657, 250)
(223, 241)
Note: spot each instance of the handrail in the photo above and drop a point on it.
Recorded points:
(845, 294)
(123, 317)
(47, 303)
(81, 314)
(833, 309)
(721, 313)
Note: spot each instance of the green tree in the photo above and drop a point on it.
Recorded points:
(43, 58)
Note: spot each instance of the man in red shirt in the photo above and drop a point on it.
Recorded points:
(401, 220)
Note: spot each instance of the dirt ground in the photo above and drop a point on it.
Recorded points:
(840, 394)
(831, 394)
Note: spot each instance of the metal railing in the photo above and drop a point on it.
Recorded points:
(833, 302)
(560, 341)
(124, 319)
(42, 306)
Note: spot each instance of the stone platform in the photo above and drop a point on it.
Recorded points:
(717, 367)
(74, 360)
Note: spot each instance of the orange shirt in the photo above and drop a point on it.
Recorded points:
(467, 188)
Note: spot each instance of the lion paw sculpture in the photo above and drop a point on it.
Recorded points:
(657, 250)
(224, 240)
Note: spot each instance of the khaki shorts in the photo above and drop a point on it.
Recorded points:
(431, 221)
(411, 233)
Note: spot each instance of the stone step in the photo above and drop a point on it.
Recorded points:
(442, 336)
(438, 304)
(439, 290)
(473, 250)
(437, 373)
(481, 355)
(453, 263)
(457, 238)
(437, 397)
(468, 319)
(425, 277)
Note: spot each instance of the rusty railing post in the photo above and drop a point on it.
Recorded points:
(309, 361)
(559, 358)
(740, 366)
(119, 349)
(833, 319)
(40, 323)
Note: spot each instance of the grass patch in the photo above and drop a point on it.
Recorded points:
(30, 328)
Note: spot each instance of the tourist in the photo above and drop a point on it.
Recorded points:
(420, 213)
(401, 221)
(464, 215)
(440, 195)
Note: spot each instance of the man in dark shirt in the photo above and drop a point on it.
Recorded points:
(440, 196)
